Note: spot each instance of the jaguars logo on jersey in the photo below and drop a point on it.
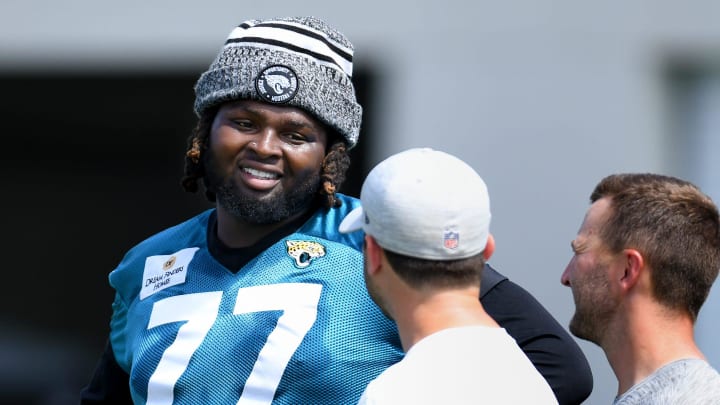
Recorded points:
(304, 251)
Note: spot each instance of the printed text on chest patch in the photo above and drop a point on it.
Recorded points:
(165, 271)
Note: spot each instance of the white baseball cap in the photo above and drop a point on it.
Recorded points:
(424, 203)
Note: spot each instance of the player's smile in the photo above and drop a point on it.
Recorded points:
(257, 179)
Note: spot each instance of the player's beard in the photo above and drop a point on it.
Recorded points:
(275, 207)
(594, 307)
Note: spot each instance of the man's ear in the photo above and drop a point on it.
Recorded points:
(489, 247)
(373, 255)
(634, 266)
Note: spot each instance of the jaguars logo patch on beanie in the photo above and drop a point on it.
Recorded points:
(277, 84)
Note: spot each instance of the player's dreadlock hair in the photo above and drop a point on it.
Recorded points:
(332, 175)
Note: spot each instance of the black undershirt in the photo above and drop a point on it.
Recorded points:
(235, 258)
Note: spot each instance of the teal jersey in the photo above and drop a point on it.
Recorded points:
(295, 325)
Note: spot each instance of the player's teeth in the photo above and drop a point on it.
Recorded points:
(260, 174)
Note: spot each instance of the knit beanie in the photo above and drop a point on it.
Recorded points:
(297, 61)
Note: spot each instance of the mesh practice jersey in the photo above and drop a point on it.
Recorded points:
(295, 325)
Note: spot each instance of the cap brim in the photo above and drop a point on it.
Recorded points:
(352, 221)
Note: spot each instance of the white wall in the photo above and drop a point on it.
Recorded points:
(542, 97)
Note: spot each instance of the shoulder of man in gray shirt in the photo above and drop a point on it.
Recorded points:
(686, 381)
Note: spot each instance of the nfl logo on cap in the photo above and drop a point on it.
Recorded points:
(451, 239)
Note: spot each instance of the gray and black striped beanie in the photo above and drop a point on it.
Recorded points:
(299, 61)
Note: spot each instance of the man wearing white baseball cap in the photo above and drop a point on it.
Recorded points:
(426, 218)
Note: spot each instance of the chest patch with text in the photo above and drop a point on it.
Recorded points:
(165, 271)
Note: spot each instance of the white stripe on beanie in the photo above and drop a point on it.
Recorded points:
(295, 38)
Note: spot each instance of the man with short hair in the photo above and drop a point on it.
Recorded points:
(644, 261)
(426, 218)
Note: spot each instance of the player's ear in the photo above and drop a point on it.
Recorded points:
(373, 255)
(633, 268)
(489, 247)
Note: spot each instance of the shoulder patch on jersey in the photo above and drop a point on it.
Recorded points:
(304, 251)
(165, 271)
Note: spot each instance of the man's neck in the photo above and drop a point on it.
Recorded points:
(646, 340)
(422, 315)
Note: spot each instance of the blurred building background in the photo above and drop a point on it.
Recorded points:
(542, 97)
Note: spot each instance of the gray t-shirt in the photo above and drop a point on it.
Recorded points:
(682, 382)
